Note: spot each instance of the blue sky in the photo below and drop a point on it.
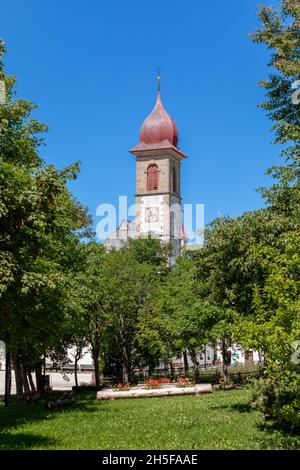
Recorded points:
(90, 66)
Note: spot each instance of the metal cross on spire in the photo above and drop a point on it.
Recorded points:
(158, 70)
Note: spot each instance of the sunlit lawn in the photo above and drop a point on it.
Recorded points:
(222, 420)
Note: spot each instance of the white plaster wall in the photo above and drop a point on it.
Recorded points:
(86, 358)
(238, 355)
(2, 355)
(154, 203)
(175, 208)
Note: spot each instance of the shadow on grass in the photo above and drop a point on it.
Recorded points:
(240, 407)
(272, 436)
(19, 441)
(20, 414)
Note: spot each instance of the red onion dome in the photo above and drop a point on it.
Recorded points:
(159, 126)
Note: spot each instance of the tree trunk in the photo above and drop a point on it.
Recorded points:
(77, 357)
(151, 367)
(31, 382)
(125, 376)
(172, 369)
(215, 353)
(260, 364)
(75, 372)
(7, 377)
(95, 341)
(38, 377)
(44, 370)
(125, 366)
(186, 363)
(196, 364)
(161, 392)
(24, 379)
(96, 354)
(224, 359)
(18, 378)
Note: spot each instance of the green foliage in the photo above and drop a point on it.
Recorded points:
(226, 268)
(275, 301)
(150, 250)
(278, 397)
(276, 324)
(40, 229)
(126, 284)
(281, 34)
(113, 289)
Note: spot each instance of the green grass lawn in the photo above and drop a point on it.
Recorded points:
(222, 420)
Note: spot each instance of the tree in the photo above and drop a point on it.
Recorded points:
(89, 321)
(113, 288)
(125, 286)
(276, 302)
(151, 251)
(276, 324)
(278, 292)
(40, 224)
(178, 319)
(281, 34)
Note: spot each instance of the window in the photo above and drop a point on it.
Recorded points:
(174, 180)
(152, 177)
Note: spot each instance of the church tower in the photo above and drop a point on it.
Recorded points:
(158, 194)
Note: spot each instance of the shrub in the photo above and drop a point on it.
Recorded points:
(83, 387)
(278, 397)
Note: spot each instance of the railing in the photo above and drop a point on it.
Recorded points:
(208, 374)
(70, 367)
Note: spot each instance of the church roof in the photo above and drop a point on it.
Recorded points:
(158, 130)
(159, 126)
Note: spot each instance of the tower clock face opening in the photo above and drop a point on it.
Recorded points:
(151, 214)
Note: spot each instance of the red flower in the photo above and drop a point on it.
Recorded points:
(153, 383)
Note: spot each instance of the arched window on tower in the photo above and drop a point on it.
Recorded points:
(174, 180)
(152, 177)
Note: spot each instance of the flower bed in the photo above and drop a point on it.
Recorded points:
(152, 383)
(184, 382)
(120, 387)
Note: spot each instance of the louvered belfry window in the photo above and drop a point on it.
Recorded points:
(152, 177)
